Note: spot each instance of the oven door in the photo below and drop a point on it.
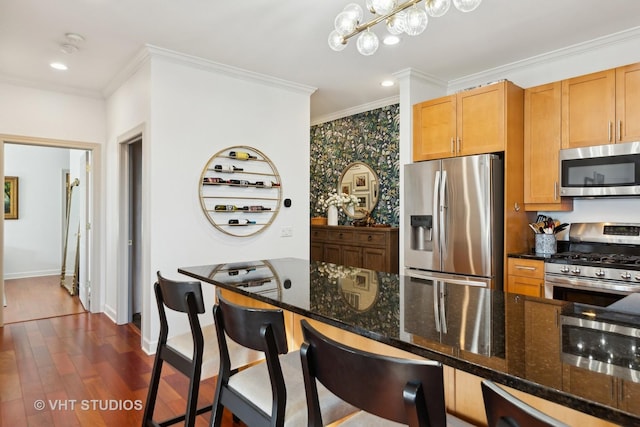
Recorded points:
(603, 170)
(605, 347)
(585, 290)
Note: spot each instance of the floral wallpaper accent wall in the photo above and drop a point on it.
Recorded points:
(371, 137)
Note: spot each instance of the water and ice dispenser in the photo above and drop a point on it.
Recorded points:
(422, 232)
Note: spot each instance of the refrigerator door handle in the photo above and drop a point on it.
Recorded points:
(436, 304)
(443, 314)
(436, 209)
(442, 215)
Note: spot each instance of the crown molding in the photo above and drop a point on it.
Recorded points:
(500, 72)
(150, 52)
(356, 110)
(15, 81)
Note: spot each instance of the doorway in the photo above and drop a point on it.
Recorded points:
(131, 152)
(35, 201)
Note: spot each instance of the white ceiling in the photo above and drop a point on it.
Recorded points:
(288, 39)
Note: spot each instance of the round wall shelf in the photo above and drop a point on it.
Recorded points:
(240, 191)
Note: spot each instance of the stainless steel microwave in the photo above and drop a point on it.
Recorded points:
(602, 170)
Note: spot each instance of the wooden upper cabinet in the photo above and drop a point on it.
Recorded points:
(588, 109)
(628, 103)
(601, 108)
(481, 120)
(470, 122)
(542, 143)
(434, 128)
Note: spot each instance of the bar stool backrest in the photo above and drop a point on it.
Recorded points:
(505, 410)
(406, 391)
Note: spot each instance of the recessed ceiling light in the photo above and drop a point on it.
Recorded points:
(58, 66)
(390, 40)
(387, 83)
(68, 48)
(74, 38)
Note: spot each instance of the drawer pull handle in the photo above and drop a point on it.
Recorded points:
(524, 267)
(369, 238)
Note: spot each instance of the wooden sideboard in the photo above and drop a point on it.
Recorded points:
(375, 248)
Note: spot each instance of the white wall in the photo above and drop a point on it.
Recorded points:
(196, 110)
(33, 242)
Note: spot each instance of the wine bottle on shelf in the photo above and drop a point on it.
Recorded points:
(228, 208)
(213, 180)
(227, 168)
(241, 155)
(256, 208)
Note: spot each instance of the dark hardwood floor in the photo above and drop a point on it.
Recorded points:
(84, 370)
(33, 298)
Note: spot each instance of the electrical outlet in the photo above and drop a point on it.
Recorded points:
(286, 231)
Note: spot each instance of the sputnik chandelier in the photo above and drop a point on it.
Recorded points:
(399, 18)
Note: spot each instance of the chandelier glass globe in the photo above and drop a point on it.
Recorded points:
(396, 24)
(466, 5)
(437, 8)
(382, 7)
(355, 10)
(416, 21)
(345, 23)
(367, 43)
(336, 41)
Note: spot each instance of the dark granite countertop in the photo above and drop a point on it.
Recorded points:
(490, 334)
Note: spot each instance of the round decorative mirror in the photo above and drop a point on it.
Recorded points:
(360, 289)
(361, 181)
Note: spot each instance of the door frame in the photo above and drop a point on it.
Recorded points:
(95, 219)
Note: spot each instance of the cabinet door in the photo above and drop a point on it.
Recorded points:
(332, 253)
(317, 251)
(481, 120)
(542, 343)
(542, 138)
(592, 385)
(434, 128)
(588, 109)
(524, 286)
(629, 397)
(628, 103)
(352, 256)
(375, 259)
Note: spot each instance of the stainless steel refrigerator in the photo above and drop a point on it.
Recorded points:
(453, 217)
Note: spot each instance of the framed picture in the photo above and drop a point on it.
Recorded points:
(10, 197)
(362, 281)
(363, 201)
(346, 187)
(361, 182)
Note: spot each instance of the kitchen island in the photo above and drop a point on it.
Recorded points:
(477, 333)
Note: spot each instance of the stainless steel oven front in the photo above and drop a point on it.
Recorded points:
(567, 287)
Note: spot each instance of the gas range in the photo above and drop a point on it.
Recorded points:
(601, 259)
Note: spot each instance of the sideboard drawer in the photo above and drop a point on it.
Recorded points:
(374, 238)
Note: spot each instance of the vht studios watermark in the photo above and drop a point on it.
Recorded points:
(88, 405)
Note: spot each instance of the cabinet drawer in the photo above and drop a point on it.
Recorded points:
(374, 238)
(340, 235)
(526, 267)
(319, 234)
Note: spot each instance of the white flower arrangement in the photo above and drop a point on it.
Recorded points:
(335, 199)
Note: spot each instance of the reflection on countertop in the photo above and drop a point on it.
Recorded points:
(514, 339)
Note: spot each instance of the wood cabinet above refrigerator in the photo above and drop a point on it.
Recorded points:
(474, 121)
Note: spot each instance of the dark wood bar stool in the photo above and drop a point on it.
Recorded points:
(505, 410)
(266, 394)
(389, 390)
(194, 354)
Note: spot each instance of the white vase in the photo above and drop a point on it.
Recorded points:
(332, 215)
(350, 209)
